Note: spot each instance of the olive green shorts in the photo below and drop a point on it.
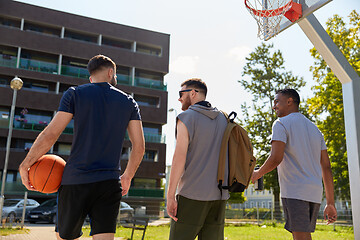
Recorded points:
(204, 219)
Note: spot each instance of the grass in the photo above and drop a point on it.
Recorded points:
(243, 232)
(15, 230)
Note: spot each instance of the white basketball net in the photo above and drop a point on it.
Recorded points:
(268, 15)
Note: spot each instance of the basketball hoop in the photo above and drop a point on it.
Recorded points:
(268, 14)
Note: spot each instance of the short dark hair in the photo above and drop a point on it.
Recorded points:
(290, 93)
(196, 83)
(99, 62)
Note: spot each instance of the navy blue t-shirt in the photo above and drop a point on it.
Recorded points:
(101, 117)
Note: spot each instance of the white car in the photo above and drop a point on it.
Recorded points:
(13, 208)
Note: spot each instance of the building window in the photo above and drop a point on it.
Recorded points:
(4, 117)
(150, 156)
(263, 204)
(10, 176)
(147, 101)
(147, 49)
(80, 36)
(152, 133)
(8, 56)
(143, 183)
(64, 148)
(75, 67)
(39, 61)
(125, 153)
(64, 87)
(31, 119)
(10, 22)
(43, 29)
(123, 75)
(116, 43)
(269, 204)
(148, 74)
(27, 145)
(4, 80)
(38, 87)
(149, 79)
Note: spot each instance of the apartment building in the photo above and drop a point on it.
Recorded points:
(49, 51)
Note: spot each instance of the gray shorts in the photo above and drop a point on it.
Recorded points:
(300, 215)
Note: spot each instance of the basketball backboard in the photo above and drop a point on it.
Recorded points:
(308, 7)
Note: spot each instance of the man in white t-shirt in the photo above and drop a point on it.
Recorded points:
(299, 152)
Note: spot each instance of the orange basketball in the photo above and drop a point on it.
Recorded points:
(46, 174)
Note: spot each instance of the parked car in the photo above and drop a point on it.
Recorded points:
(126, 212)
(13, 208)
(45, 212)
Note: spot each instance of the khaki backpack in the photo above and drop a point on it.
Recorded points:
(237, 144)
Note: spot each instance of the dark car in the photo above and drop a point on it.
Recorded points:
(46, 212)
(13, 208)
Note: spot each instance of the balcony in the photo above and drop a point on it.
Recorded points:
(154, 138)
(23, 125)
(52, 68)
(123, 79)
(7, 61)
(75, 72)
(149, 83)
(144, 192)
(38, 66)
(17, 188)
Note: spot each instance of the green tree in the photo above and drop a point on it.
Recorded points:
(327, 103)
(265, 73)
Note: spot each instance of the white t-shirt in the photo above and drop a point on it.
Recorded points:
(299, 173)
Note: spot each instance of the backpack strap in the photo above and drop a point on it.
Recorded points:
(224, 150)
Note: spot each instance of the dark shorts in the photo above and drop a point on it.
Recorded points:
(204, 219)
(300, 215)
(99, 200)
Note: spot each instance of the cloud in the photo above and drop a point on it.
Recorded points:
(239, 53)
(184, 64)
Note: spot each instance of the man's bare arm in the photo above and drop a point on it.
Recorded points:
(177, 167)
(275, 158)
(330, 213)
(43, 143)
(136, 136)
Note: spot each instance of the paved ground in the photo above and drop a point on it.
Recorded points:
(46, 232)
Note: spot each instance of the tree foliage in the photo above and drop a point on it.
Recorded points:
(327, 102)
(264, 73)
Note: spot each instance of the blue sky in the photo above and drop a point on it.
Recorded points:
(208, 39)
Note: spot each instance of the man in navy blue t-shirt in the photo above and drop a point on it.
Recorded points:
(90, 183)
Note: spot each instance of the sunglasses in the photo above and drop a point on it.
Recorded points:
(186, 90)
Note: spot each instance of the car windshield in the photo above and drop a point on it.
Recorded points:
(50, 203)
(8, 203)
(124, 205)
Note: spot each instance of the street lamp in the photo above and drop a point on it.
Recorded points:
(16, 84)
(173, 110)
(168, 167)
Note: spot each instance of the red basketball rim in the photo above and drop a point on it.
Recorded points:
(270, 12)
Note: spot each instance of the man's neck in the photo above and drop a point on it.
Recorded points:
(290, 112)
(204, 103)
